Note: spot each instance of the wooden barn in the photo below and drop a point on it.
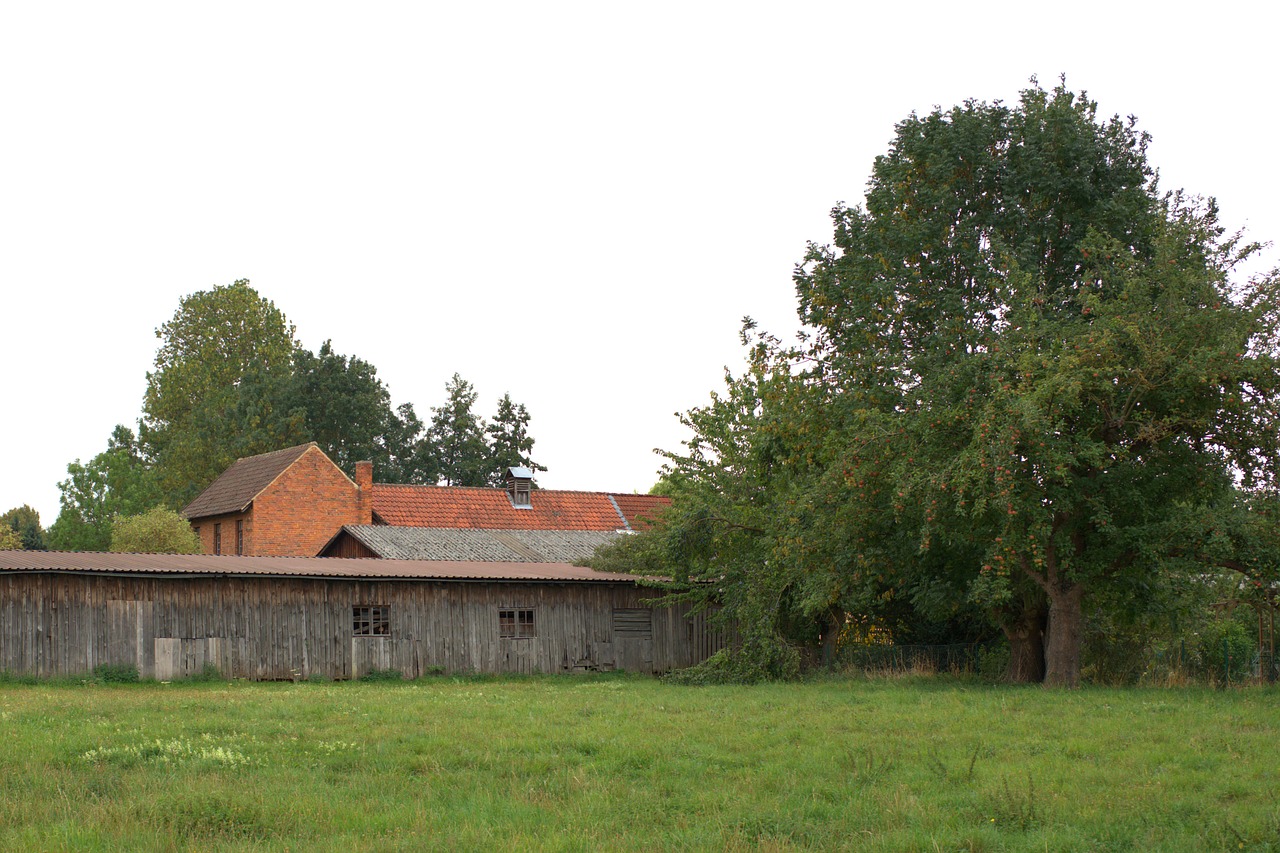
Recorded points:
(297, 617)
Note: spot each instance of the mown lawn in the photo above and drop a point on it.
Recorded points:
(605, 763)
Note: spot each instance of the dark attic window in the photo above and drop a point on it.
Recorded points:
(517, 624)
(371, 621)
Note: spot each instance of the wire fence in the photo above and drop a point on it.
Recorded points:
(884, 657)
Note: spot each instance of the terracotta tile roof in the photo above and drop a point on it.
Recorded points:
(503, 546)
(491, 509)
(236, 488)
(188, 565)
(639, 510)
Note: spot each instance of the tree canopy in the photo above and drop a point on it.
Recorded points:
(117, 481)
(457, 436)
(10, 540)
(24, 523)
(509, 442)
(215, 341)
(1027, 377)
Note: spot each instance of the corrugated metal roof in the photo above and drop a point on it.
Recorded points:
(330, 567)
(237, 486)
(434, 543)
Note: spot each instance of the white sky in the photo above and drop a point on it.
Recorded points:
(428, 184)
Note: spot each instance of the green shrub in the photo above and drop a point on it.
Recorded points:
(7, 677)
(383, 675)
(208, 672)
(1225, 635)
(115, 673)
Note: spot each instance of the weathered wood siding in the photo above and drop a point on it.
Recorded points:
(282, 628)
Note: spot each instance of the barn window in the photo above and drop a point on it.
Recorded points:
(217, 539)
(633, 623)
(517, 624)
(239, 537)
(371, 621)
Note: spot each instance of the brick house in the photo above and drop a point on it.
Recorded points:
(296, 502)
(284, 503)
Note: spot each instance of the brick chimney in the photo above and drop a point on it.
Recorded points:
(364, 498)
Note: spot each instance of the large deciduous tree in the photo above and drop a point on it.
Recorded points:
(1062, 349)
(346, 410)
(219, 344)
(1027, 378)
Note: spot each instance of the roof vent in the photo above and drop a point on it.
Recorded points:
(520, 487)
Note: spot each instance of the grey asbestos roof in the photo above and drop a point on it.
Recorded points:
(193, 565)
(521, 546)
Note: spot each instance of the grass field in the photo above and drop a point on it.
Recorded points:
(628, 763)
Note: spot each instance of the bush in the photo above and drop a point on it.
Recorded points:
(750, 663)
(1239, 647)
(157, 531)
(382, 675)
(208, 672)
(115, 673)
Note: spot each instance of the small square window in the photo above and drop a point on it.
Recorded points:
(371, 621)
(517, 624)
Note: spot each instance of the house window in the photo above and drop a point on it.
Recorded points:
(217, 539)
(517, 624)
(521, 495)
(633, 623)
(239, 537)
(371, 621)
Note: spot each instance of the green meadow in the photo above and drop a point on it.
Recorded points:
(627, 763)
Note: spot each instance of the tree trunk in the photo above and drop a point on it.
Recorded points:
(1066, 634)
(1025, 634)
(831, 637)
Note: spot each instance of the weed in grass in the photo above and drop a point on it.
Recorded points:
(1014, 808)
(942, 771)
(864, 767)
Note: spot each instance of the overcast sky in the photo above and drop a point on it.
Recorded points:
(572, 203)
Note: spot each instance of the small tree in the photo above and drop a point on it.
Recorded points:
(509, 441)
(457, 437)
(157, 531)
(9, 540)
(25, 522)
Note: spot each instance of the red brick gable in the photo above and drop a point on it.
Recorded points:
(491, 509)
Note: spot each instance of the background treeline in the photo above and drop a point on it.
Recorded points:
(1035, 402)
(231, 380)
